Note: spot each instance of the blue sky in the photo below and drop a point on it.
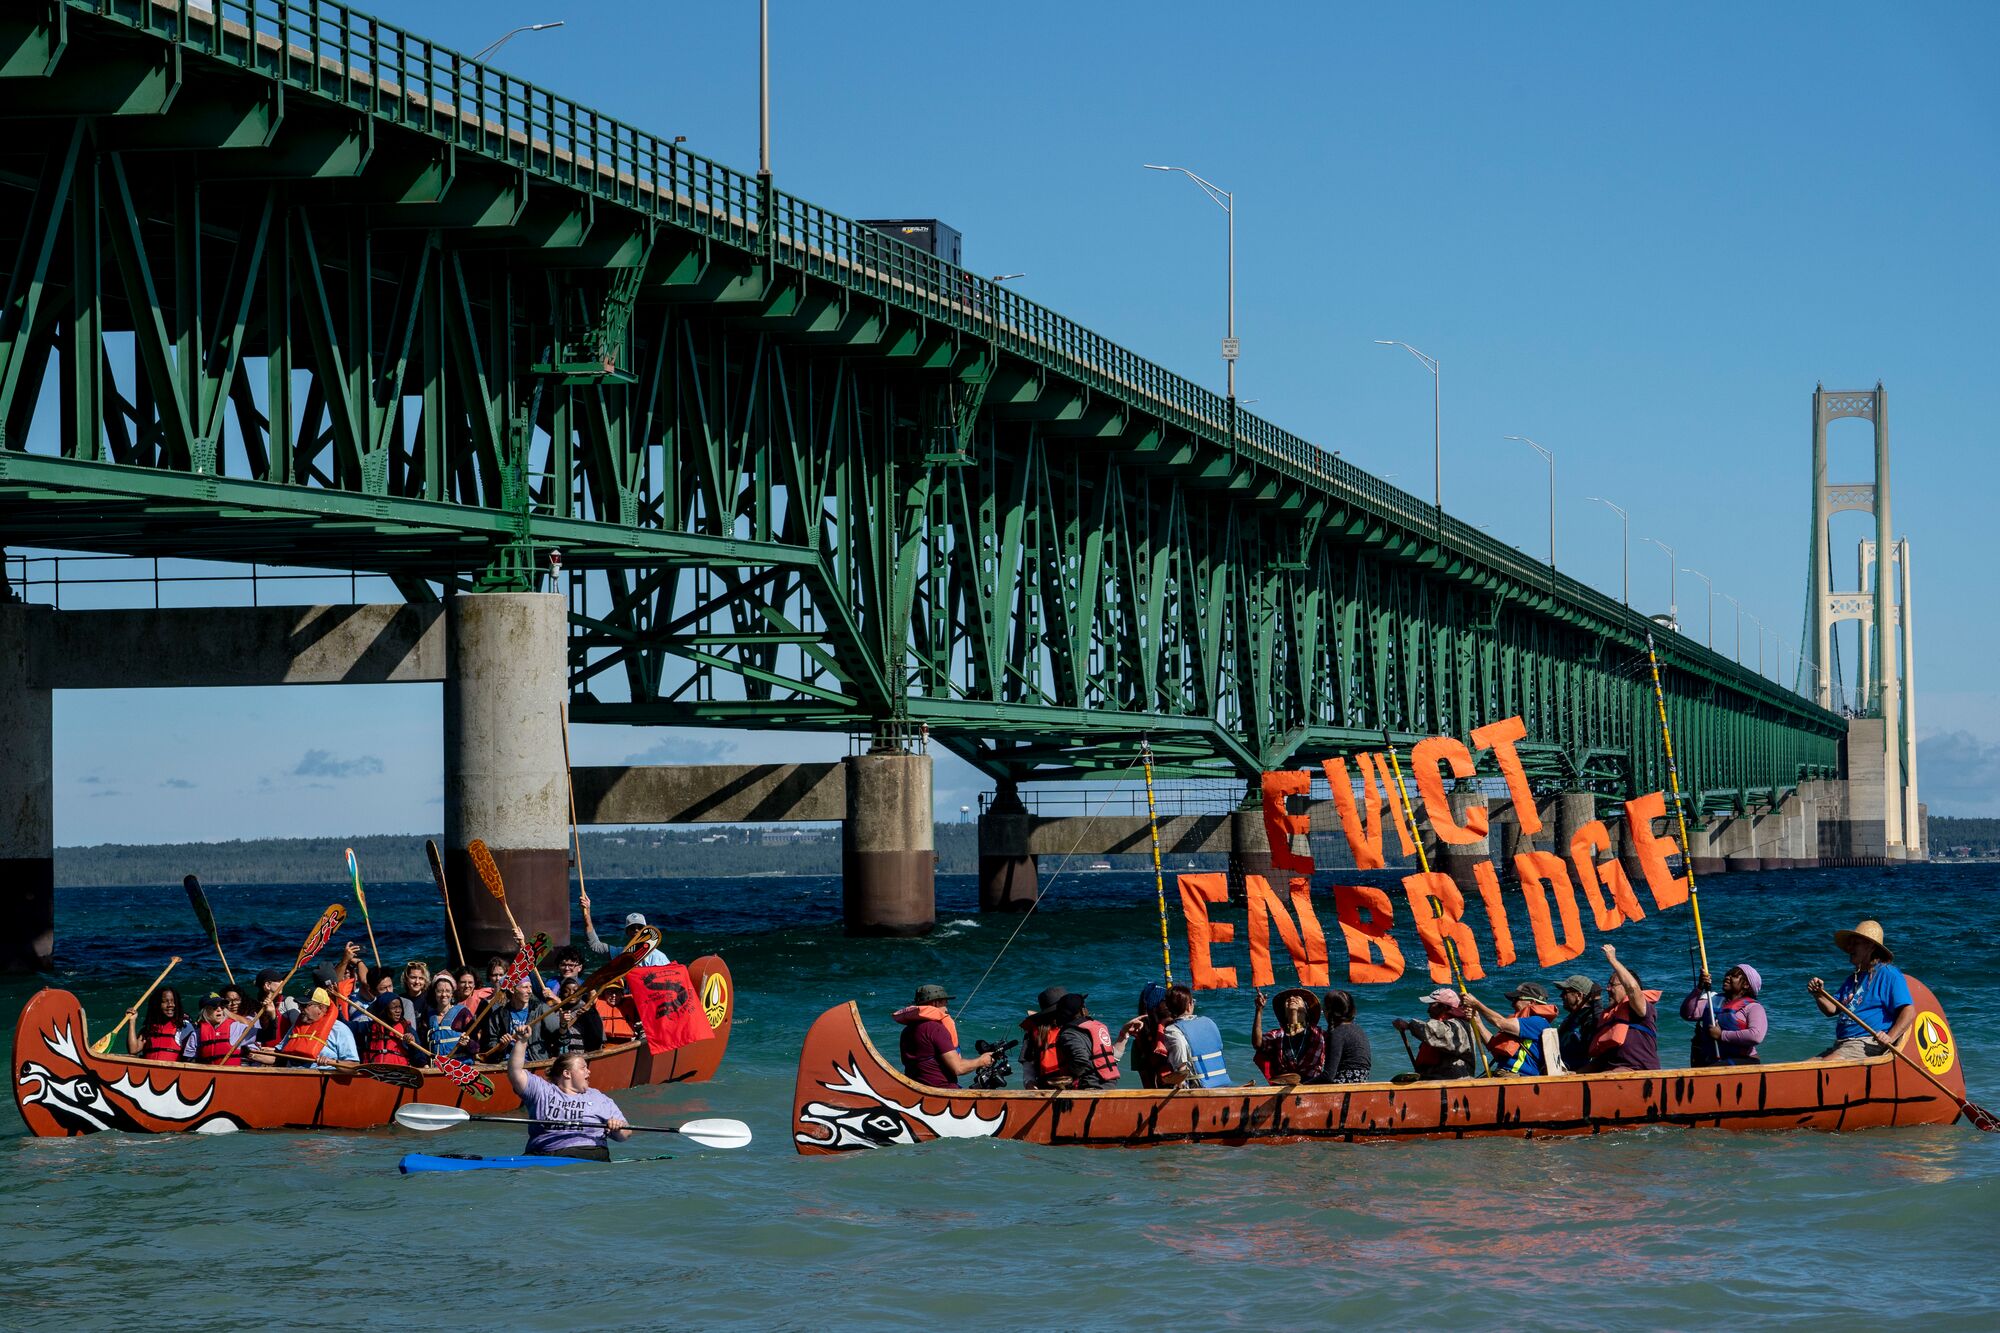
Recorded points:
(1636, 234)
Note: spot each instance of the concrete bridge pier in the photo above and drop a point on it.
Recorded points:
(1009, 879)
(888, 856)
(1573, 809)
(506, 666)
(1705, 852)
(1249, 848)
(27, 799)
(1457, 859)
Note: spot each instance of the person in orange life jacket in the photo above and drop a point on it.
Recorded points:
(1740, 1024)
(1876, 993)
(1294, 1051)
(1039, 1061)
(213, 1040)
(164, 1030)
(1085, 1053)
(1150, 1043)
(318, 1035)
(1516, 1042)
(1349, 1058)
(930, 1041)
(1627, 1035)
(1449, 1046)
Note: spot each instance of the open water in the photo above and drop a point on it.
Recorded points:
(1659, 1228)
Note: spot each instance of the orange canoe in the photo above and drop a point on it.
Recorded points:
(64, 1088)
(849, 1097)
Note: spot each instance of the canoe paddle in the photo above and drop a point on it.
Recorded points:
(103, 1043)
(1980, 1117)
(199, 901)
(437, 873)
(354, 869)
(401, 1076)
(708, 1133)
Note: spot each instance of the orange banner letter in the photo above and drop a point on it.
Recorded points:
(1591, 839)
(1364, 843)
(1654, 849)
(1280, 826)
(1197, 892)
(1434, 924)
(1349, 902)
(1499, 737)
(1437, 806)
(1496, 912)
(1305, 942)
(1540, 871)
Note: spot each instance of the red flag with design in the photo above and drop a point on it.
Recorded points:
(669, 1010)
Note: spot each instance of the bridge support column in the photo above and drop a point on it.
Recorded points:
(888, 857)
(27, 799)
(1739, 844)
(1705, 851)
(1573, 810)
(1457, 859)
(1249, 849)
(1009, 878)
(505, 668)
(1805, 834)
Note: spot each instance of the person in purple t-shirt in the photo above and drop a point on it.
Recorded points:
(570, 1119)
(930, 1041)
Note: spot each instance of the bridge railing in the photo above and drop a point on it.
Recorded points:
(335, 51)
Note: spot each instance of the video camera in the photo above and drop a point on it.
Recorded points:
(995, 1075)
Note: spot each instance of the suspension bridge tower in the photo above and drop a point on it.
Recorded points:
(1881, 703)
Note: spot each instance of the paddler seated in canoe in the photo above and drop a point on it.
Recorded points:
(1732, 1036)
(1516, 1042)
(497, 1035)
(930, 1041)
(1086, 1056)
(569, 1027)
(318, 1035)
(1151, 1049)
(217, 1035)
(166, 1028)
(1628, 1031)
(1202, 1038)
(276, 1011)
(1294, 1051)
(1582, 1001)
(1876, 992)
(571, 1118)
(1448, 1044)
(1039, 1062)
(1349, 1057)
(655, 956)
(567, 966)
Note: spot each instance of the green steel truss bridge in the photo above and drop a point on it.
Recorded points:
(288, 285)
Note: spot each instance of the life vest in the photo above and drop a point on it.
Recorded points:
(1149, 1054)
(1617, 1025)
(215, 1041)
(160, 1041)
(1103, 1063)
(1730, 1017)
(1512, 1054)
(1430, 1057)
(1040, 1060)
(1204, 1041)
(923, 1013)
(618, 1025)
(381, 1044)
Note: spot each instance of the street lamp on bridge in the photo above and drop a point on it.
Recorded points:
(1673, 582)
(1626, 519)
(1437, 414)
(1711, 603)
(487, 50)
(1739, 626)
(1227, 202)
(1760, 642)
(1550, 456)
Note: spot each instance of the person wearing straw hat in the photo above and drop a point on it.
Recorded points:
(1295, 1050)
(1876, 992)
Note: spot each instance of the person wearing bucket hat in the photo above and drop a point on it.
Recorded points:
(1448, 1042)
(1295, 1050)
(1582, 1002)
(1516, 1042)
(1039, 1061)
(1739, 1024)
(930, 1041)
(1876, 992)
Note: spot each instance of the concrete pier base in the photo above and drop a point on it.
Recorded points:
(1009, 878)
(1573, 810)
(1705, 855)
(27, 804)
(1249, 849)
(503, 773)
(888, 856)
(1457, 859)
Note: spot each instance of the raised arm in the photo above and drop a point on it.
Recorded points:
(1504, 1023)
(517, 1062)
(1625, 977)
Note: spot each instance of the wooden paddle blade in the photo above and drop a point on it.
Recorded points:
(322, 931)
(420, 1115)
(436, 858)
(484, 867)
(1980, 1117)
(401, 1076)
(199, 901)
(716, 1133)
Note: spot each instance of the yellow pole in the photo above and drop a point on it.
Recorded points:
(1680, 813)
(1159, 876)
(1437, 908)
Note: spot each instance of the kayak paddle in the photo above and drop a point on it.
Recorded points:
(708, 1133)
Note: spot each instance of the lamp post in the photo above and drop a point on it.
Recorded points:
(1437, 414)
(1626, 519)
(764, 90)
(1760, 642)
(1673, 582)
(1006, 277)
(1227, 202)
(1550, 456)
(1711, 603)
(509, 36)
(1739, 626)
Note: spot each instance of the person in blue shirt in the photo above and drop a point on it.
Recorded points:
(655, 957)
(1876, 993)
(1517, 1040)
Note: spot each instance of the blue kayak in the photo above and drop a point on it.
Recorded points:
(416, 1162)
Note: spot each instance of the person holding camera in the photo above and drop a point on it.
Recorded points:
(930, 1041)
